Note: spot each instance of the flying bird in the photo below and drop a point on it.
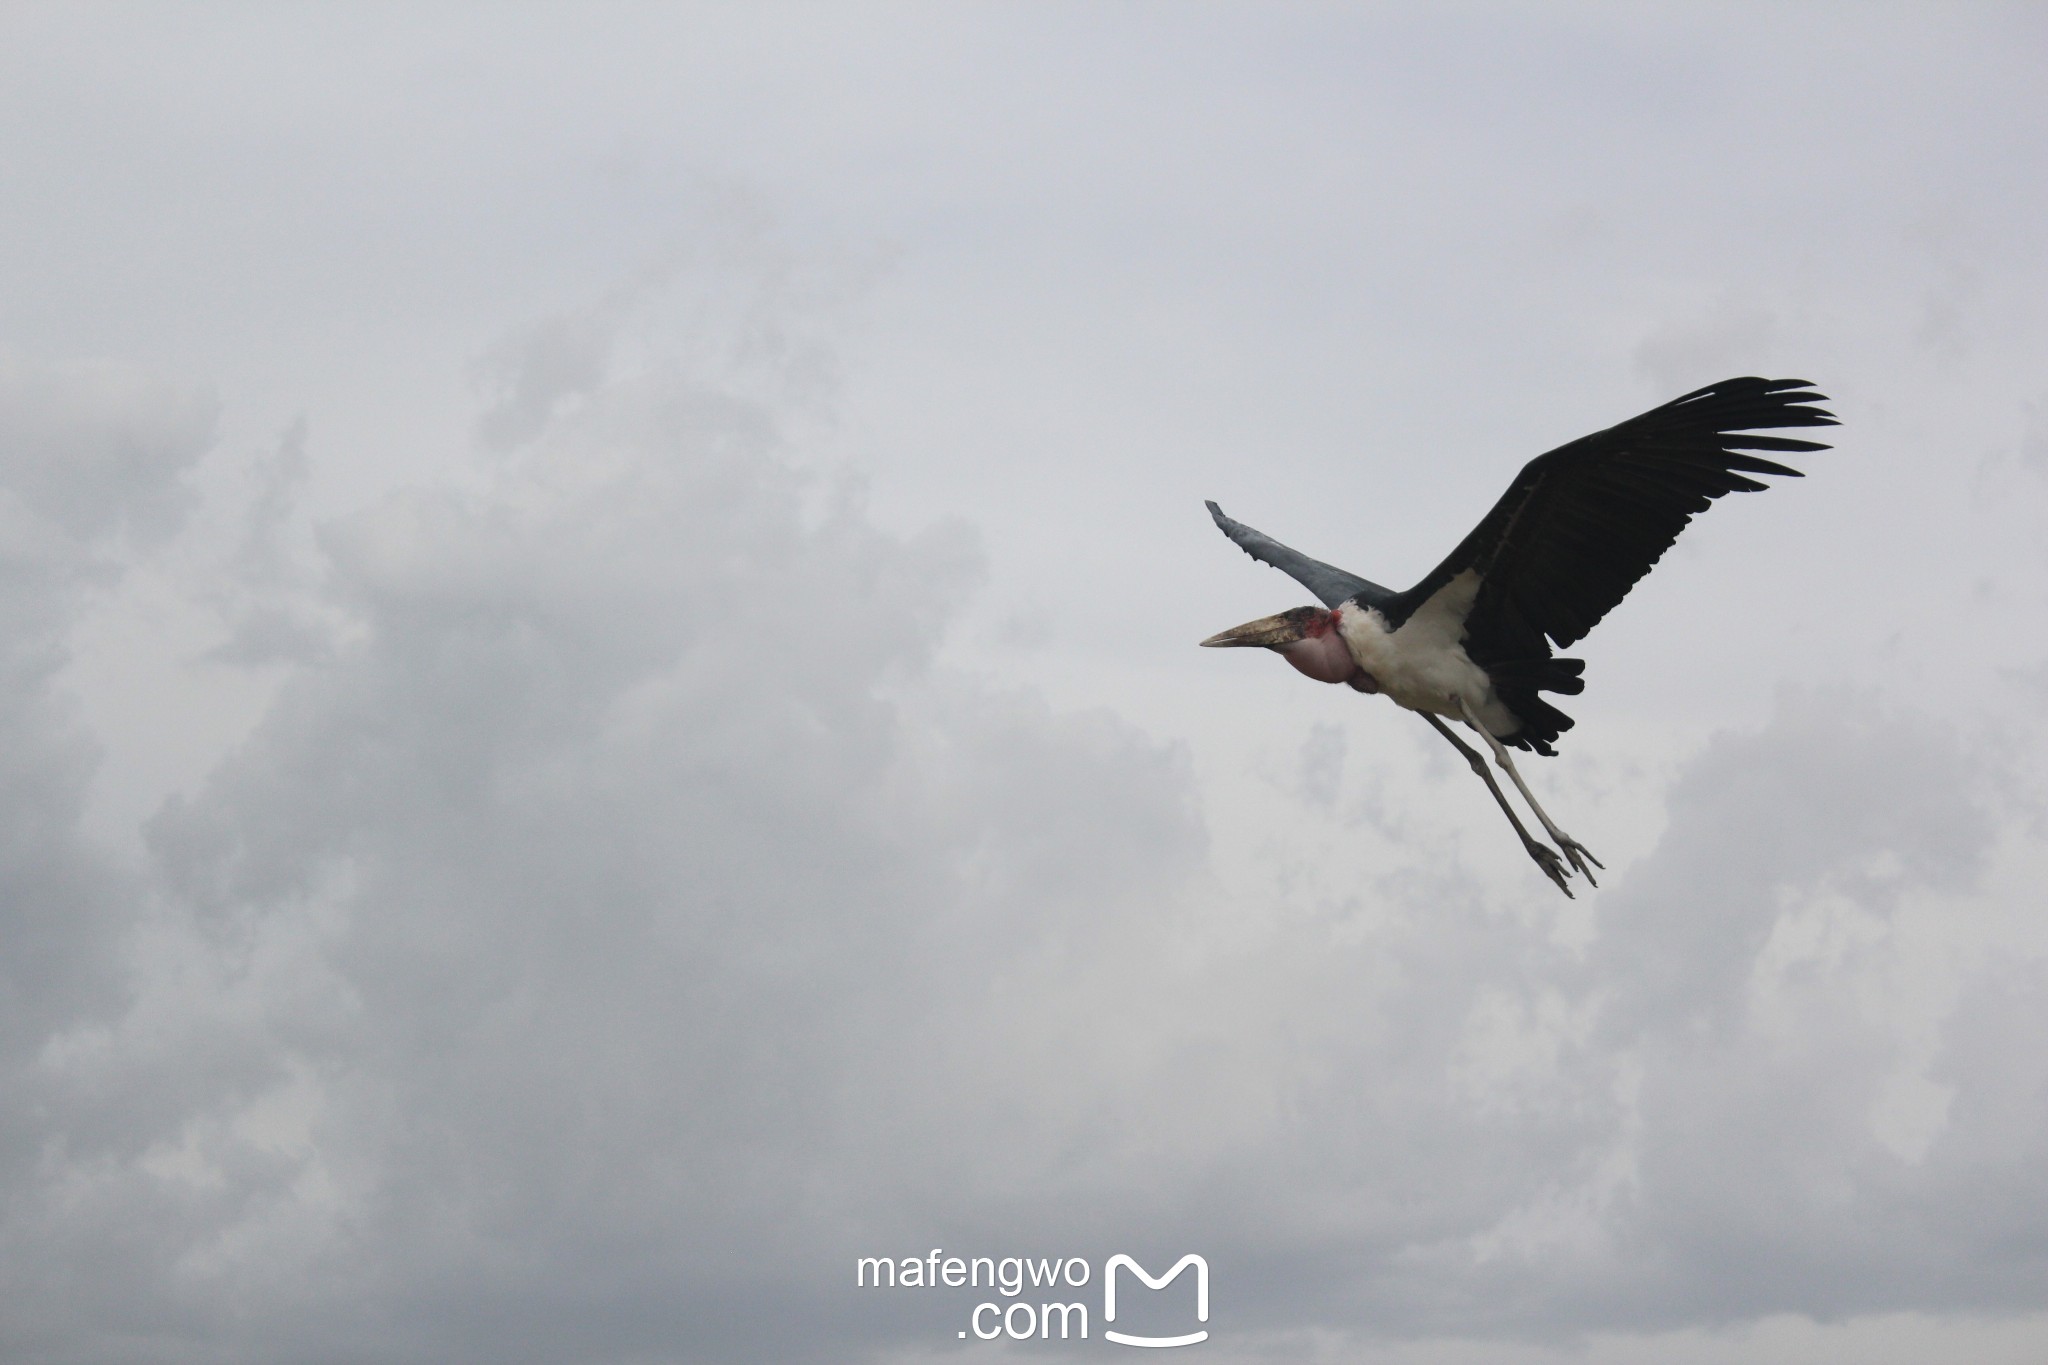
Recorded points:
(1573, 533)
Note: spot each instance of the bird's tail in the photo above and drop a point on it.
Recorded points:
(1517, 682)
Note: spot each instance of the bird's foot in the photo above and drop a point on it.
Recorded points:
(1579, 854)
(1552, 865)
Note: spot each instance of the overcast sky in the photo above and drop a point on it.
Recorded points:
(599, 712)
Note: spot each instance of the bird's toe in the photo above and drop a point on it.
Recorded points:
(1580, 856)
(1553, 866)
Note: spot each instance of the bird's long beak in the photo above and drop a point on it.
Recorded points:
(1268, 632)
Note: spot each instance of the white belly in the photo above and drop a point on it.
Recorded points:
(1423, 666)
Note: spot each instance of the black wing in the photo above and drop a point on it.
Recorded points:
(1581, 524)
(1331, 586)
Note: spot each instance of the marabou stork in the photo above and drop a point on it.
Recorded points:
(1575, 530)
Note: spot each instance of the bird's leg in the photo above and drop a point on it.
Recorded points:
(1573, 849)
(1545, 856)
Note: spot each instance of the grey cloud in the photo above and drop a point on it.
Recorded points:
(91, 458)
(1680, 1126)
(623, 921)
(1759, 1183)
(574, 899)
(1979, 1206)
(269, 599)
(86, 454)
(91, 448)
(555, 360)
(1838, 795)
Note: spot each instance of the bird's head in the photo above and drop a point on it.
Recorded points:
(1306, 637)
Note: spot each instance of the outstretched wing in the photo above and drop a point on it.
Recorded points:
(1580, 525)
(1330, 585)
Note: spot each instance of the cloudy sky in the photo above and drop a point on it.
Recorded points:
(598, 711)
